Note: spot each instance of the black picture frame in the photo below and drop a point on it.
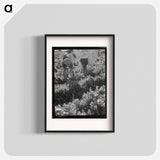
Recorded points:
(113, 86)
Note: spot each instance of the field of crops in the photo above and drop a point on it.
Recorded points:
(79, 83)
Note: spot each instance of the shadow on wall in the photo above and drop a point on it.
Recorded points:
(39, 84)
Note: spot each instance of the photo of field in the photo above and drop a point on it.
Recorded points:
(79, 82)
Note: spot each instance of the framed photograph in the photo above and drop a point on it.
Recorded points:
(79, 83)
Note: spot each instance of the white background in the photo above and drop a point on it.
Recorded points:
(19, 4)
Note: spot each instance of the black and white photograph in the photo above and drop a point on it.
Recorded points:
(79, 82)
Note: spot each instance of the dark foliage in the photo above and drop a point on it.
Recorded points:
(83, 93)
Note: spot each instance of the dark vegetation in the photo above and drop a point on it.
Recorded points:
(82, 93)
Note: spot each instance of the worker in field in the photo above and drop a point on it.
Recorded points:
(68, 63)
